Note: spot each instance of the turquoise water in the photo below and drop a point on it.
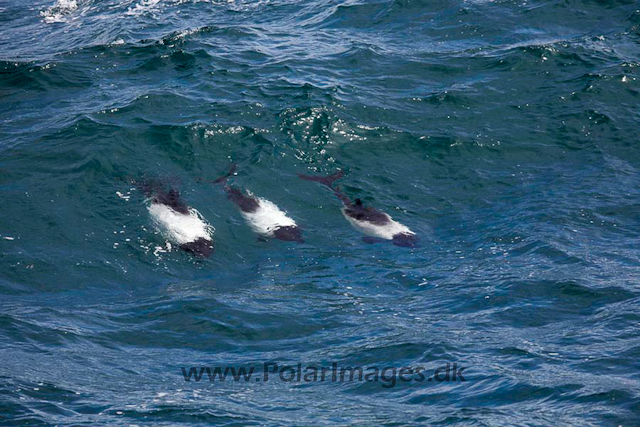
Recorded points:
(504, 133)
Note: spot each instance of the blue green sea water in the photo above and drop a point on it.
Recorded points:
(503, 133)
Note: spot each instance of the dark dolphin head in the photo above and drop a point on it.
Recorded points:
(405, 240)
(358, 211)
(290, 233)
(172, 199)
(200, 248)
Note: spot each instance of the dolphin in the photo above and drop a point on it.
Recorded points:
(376, 224)
(263, 216)
(177, 221)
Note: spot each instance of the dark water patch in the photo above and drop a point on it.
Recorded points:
(190, 325)
(213, 32)
(36, 337)
(174, 414)
(143, 110)
(51, 76)
(179, 60)
(446, 97)
(357, 15)
(564, 301)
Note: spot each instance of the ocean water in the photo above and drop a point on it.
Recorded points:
(503, 133)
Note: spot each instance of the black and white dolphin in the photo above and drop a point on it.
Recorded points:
(370, 221)
(178, 222)
(263, 216)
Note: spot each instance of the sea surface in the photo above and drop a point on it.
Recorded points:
(505, 134)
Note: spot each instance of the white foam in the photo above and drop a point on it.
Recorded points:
(267, 218)
(58, 12)
(143, 7)
(124, 196)
(181, 228)
(386, 231)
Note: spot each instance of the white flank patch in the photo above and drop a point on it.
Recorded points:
(181, 228)
(267, 218)
(386, 231)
